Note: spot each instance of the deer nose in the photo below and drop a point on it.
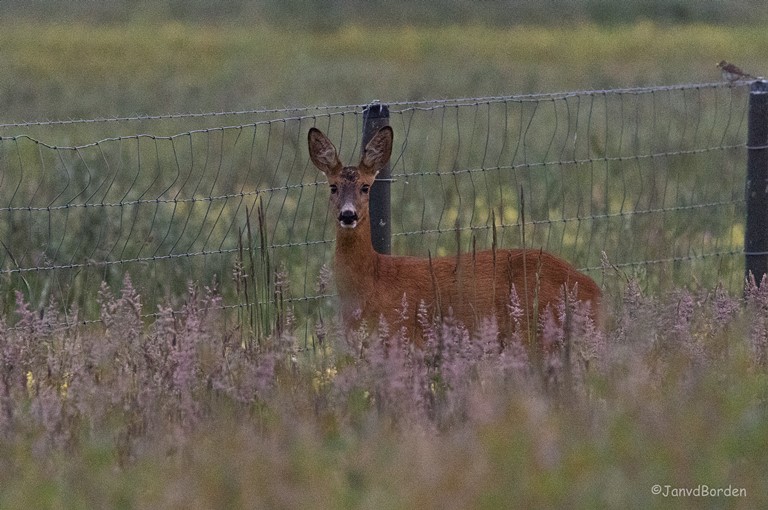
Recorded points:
(348, 218)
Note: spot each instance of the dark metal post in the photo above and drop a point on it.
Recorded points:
(375, 117)
(756, 232)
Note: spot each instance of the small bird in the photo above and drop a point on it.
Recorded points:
(733, 73)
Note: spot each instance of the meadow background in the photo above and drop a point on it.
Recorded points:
(203, 409)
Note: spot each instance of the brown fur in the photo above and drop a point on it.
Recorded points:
(471, 287)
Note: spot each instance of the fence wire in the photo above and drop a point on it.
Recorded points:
(651, 178)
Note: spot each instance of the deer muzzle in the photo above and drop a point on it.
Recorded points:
(348, 218)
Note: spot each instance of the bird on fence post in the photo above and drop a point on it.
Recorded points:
(732, 73)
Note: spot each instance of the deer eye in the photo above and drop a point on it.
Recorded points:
(365, 188)
(334, 188)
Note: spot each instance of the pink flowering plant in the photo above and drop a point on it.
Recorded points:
(186, 408)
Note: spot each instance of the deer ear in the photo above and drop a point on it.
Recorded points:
(377, 152)
(323, 153)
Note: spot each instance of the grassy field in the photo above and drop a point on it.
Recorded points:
(205, 409)
(71, 70)
(672, 394)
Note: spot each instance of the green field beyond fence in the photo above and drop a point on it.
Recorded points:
(649, 180)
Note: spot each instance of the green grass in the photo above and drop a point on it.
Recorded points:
(330, 14)
(60, 71)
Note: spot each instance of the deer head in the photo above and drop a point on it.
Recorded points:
(350, 185)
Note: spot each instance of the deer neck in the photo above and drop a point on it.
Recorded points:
(355, 259)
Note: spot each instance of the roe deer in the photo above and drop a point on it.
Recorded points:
(471, 286)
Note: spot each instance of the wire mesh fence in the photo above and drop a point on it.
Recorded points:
(651, 178)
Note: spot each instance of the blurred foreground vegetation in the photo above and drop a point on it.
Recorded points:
(190, 413)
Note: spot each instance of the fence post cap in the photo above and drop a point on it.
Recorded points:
(375, 109)
(759, 86)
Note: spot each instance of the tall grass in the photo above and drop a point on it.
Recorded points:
(653, 178)
(184, 413)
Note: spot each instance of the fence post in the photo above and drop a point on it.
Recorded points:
(375, 117)
(756, 231)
